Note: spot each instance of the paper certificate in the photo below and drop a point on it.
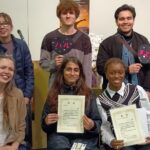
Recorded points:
(70, 112)
(126, 125)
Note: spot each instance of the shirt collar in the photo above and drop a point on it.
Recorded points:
(120, 92)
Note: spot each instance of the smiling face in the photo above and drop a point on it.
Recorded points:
(71, 73)
(68, 18)
(5, 29)
(115, 74)
(125, 22)
(6, 70)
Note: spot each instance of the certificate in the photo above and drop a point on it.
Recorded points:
(127, 126)
(70, 112)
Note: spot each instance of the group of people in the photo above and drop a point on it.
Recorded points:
(16, 89)
(66, 54)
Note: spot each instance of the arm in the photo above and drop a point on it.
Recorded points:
(47, 127)
(106, 132)
(46, 61)
(146, 76)
(21, 110)
(28, 74)
(102, 57)
(94, 117)
(144, 100)
(87, 62)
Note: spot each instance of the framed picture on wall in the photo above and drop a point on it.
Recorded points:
(83, 20)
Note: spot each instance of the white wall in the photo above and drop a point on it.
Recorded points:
(102, 16)
(17, 9)
(37, 17)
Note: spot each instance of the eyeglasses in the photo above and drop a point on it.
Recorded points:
(4, 24)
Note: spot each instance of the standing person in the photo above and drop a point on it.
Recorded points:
(24, 77)
(117, 94)
(12, 108)
(70, 80)
(120, 45)
(66, 41)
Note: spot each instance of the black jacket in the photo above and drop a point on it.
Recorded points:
(111, 47)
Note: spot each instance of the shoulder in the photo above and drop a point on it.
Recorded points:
(18, 41)
(109, 38)
(82, 37)
(16, 92)
(138, 35)
(51, 34)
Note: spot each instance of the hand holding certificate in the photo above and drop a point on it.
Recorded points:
(126, 125)
(70, 112)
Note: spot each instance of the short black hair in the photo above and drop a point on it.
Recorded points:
(123, 8)
(113, 60)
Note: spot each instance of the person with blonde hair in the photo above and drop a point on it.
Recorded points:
(12, 108)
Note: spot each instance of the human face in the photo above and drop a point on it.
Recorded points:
(5, 29)
(68, 18)
(125, 22)
(71, 73)
(6, 70)
(115, 74)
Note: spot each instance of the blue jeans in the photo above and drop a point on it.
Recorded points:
(137, 147)
(61, 142)
(28, 130)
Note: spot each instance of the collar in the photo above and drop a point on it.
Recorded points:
(120, 92)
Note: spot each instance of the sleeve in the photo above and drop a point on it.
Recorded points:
(106, 132)
(102, 57)
(87, 62)
(94, 115)
(144, 100)
(46, 61)
(47, 128)
(21, 118)
(146, 72)
(28, 73)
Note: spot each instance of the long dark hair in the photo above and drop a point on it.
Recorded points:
(81, 87)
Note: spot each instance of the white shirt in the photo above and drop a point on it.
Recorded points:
(106, 132)
(3, 131)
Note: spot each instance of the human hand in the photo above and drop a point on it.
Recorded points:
(10, 147)
(27, 100)
(147, 141)
(51, 118)
(117, 144)
(135, 68)
(88, 123)
(59, 59)
(148, 93)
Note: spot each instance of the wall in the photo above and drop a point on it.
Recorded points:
(102, 16)
(37, 17)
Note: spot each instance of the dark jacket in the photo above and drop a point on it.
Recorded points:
(91, 112)
(111, 47)
(24, 76)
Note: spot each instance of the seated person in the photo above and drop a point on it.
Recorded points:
(70, 80)
(118, 94)
(12, 108)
